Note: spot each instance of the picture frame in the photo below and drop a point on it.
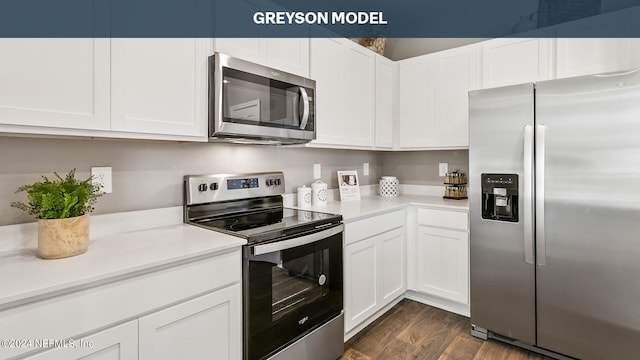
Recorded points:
(349, 185)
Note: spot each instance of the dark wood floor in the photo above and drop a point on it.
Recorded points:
(411, 330)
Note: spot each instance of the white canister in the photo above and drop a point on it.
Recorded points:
(304, 197)
(319, 193)
(389, 186)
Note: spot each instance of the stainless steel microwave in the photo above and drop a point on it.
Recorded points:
(251, 103)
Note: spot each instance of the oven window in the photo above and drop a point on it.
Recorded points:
(256, 100)
(290, 292)
(297, 280)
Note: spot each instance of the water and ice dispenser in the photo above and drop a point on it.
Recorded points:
(500, 197)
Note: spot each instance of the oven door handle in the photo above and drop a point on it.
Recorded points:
(297, 241)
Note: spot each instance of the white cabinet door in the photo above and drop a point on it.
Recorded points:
(286, 54)
(510, 61)
(345, 76)
(290, 55)
(208, 327)
(392, 265)
(358, 92)
(416, 120)
(360, 282)
(374, 275)
(385, 112)
(325, 66)
(115, 343)
(159, 86)
(443, 263)
(58, 83)
(584, 56)
(456, 72)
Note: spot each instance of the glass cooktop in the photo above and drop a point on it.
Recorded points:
(270, 224)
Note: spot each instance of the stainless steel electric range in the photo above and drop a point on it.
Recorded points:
(292, 264)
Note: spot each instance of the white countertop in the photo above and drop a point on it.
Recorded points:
(25, 277)
(370, 205)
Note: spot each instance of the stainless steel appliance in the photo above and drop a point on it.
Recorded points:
(292, 264)
(555, 215)
(251, 103)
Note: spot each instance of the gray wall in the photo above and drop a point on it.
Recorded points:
(148, 175)
(421, 167)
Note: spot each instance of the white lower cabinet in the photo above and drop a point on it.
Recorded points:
(374, 269)
(191, 310)
(115, 343)
(438, 258)
(443, 266)
(202, 328)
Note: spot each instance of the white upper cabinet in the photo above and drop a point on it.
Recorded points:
(159, 86)
(416, 115)
(385, 99)
(286, 54)
(345, 83)
(512, 61)
(583, 56)
(434, 99)
(55, 83)
(457, 72)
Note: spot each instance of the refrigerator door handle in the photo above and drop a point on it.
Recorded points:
(540, 162)
(527, 212)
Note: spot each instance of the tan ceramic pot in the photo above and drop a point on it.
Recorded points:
(60, 238)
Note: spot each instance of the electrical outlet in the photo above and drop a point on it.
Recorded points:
(317, 171)
(102, 177)
(365, 169)
(443, 169)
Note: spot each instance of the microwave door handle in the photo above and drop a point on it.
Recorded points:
(305, 108)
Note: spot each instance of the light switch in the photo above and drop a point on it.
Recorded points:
(365, 169)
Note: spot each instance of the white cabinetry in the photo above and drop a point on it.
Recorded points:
(510, 61)
(189, 310)
(457, 72)
(416, 120)
(438, 263)
(115, 343)
(374, 262)
(385, 100)
(286, 54)
(583, 56)
(159, 86)
(202, 328)
(345, 83)
(443, 269)
(123, 88)
(434, 99)
(54, 83)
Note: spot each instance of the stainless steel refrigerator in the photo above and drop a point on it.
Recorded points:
(555, 215)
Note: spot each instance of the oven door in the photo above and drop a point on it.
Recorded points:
(290, 288)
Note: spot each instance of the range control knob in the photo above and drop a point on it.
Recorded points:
(269, 182)
(213, 186)
(202, 187)
(277, 182)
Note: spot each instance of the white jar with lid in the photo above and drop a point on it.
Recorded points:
(319, 193)
(304, 197)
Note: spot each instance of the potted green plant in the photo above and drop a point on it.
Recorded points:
(62, 207)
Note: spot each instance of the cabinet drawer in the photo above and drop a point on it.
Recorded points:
(442, 218)
(374, 225)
